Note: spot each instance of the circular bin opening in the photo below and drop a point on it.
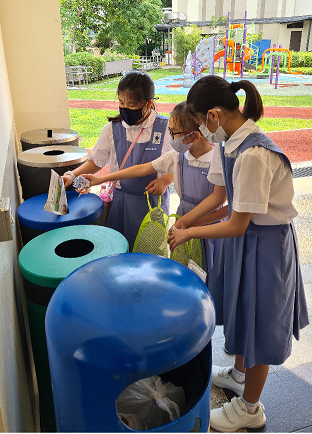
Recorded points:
(139, 411)
(74, 248)
(52, 153)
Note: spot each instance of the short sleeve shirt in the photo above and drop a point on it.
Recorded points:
(104, 151)
(262, 181)
(170, 163)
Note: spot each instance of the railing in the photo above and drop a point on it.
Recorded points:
(147, 63)
(77, 74)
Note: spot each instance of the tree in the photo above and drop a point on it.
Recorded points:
(166, 3)
(81, 18)
(185, 39)
(127, 22)
(136, 25)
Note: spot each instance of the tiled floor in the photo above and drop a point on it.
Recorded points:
(287, 394)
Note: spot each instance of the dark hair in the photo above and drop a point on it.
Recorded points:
(139, 85)
(213, 91)
(180, 112)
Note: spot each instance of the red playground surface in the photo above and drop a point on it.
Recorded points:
(295, 143)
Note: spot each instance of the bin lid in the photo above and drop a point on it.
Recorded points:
(47, 259)
(82, 210)
(40, 137)
(53, 156)
(147, 315)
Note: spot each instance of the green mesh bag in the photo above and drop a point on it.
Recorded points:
(152, 234)
(189, 250)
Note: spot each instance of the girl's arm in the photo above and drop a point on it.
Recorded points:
(234, 227)
(87, 166)
(159, 185)
(207, 206)
(213, 217)
(137, 171)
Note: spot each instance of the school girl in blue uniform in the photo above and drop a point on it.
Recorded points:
(189, 163)
(129, 206)
(255, 282)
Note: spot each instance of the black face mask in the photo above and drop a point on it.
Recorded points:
(131, 117)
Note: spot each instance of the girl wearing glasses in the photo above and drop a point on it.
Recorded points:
(136, 93)
(189, 163)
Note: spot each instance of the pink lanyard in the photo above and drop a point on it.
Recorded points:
(126, 158)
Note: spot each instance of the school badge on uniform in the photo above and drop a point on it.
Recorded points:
(156, 138)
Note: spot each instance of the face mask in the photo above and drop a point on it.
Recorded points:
(131, 117)
(178, 144)
(217, 137)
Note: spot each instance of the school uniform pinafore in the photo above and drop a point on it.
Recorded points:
(256, 282)
(129, 205)
(195, 187)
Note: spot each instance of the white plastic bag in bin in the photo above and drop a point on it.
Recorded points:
(153, 400)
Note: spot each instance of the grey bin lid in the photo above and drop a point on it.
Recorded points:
(40, 137)
(53, 156)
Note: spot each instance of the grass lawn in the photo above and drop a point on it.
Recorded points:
(107, 90)
(89, 123)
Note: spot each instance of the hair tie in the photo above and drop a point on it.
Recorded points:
(235, 86)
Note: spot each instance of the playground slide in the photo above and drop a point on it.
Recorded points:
(248, 53)
(218, 55)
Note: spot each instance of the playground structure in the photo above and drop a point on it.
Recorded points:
(239, 53)
(199, 61)
(235, 55)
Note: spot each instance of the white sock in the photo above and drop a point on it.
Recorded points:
(251, 406)
(237, 375)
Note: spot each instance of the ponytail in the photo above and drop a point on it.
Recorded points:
(253, 107)
(213, 91)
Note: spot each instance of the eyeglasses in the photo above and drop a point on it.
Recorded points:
(172, 134)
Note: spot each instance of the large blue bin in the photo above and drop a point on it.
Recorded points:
(35, 220)
(120, 319)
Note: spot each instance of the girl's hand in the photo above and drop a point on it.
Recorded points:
(94, 180)
(157, 187)
(179, 224)
(178, 237)
(68, 180)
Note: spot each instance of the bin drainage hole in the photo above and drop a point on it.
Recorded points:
(51, 153)
(74, 248)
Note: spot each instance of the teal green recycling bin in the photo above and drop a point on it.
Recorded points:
(44, 262)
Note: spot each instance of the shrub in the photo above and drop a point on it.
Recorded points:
(109, 55)
(86, 59)
(301, 59)
(135, 56)
(185, 39)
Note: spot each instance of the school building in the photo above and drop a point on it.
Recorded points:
(284, 22)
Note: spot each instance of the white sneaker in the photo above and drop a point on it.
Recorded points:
(234, 415)
(221, 377)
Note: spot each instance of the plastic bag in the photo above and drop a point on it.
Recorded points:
(105, 194)
(158, 403)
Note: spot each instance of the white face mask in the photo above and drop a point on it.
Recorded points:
(217, 137)
(178, 144)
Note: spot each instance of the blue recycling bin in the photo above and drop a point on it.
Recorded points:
(44, 262)
(34, 220)
(120, 319)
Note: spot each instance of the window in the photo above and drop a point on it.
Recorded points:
(298, 25)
